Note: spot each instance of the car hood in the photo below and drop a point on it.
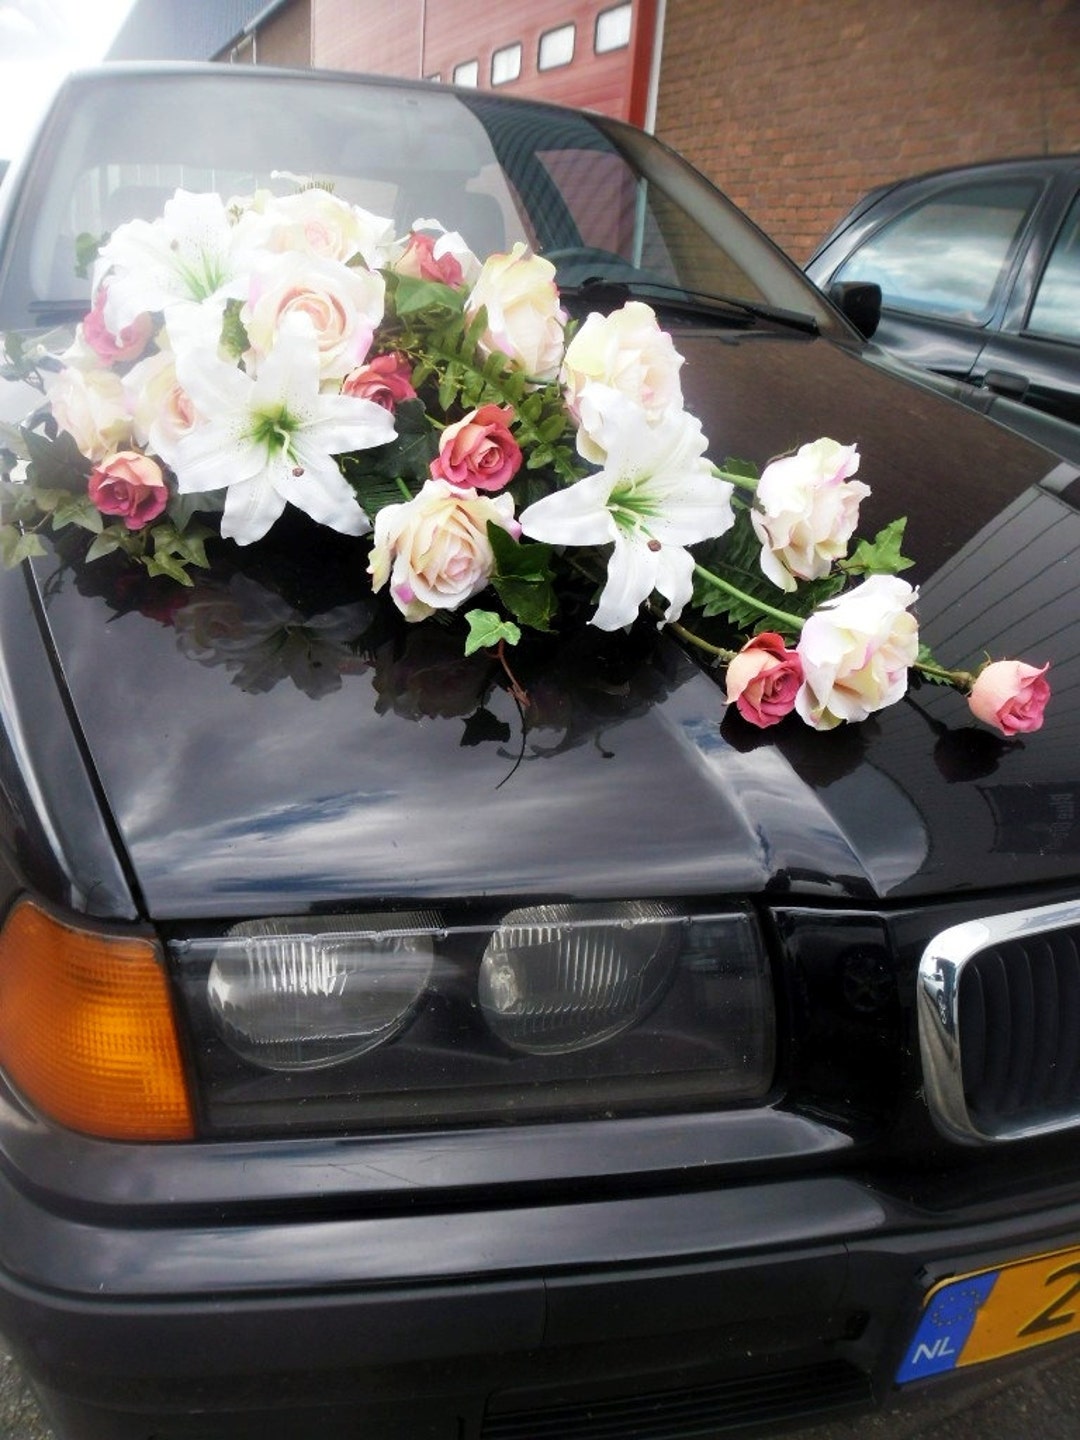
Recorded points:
(272, 740)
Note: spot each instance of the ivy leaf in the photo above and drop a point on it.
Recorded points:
(410, 455)
(86, 252)
(883, 555)
(78, 510)
(17, 545)
(486, 629)
(58, 463)
(522, 578)
(104, 544)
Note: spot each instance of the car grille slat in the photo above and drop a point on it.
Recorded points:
(701, 1411)
(999, 1025)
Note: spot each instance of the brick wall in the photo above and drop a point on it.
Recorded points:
(796, 107)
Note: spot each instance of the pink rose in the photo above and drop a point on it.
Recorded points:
(387, 379)
(764, 679)
(479, 450)
(128, 345)
(424, 258)
(1011, 696)
(129, 485)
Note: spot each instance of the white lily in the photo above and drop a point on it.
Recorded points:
(270, 439)
(185, 255)
(655, 495)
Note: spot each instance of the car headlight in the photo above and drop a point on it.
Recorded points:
(297, 995)
(396, 1019)
(558, 978)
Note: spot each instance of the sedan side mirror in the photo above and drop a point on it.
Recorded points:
(860, 302)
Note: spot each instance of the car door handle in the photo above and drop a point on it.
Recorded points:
(1007, 383)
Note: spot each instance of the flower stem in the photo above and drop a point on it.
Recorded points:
(962, 679)
(743, 482)
(793, 622)
(691, 639)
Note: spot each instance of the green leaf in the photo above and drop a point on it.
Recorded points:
(883, 555)
(57, 463)
(104, 544)
(486, 629)
(411, 296)
(78, 510)
(86, 252)
(522, 578)
(166, 565)
(926, 657)
(17, 545)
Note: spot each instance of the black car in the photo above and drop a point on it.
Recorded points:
(979, 269)
(440, 1046)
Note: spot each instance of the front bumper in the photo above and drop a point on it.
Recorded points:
(268, 1290)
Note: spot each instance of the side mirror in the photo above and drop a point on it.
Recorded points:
(860, 302)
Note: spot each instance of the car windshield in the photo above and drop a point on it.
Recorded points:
(600, 199)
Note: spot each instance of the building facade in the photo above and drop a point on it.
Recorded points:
(793, 107)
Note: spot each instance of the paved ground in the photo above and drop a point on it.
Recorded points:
(1041, 1402)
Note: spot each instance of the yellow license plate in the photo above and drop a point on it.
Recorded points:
(991, 1313)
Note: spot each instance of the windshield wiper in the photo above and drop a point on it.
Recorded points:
(678, 300)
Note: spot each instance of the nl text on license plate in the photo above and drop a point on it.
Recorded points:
(991, 1313)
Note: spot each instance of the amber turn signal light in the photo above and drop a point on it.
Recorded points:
(87, 1032)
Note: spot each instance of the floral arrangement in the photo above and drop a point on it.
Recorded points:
(240, 357)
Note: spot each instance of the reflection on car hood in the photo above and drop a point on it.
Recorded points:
(276, 744)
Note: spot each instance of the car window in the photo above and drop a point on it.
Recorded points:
(948, 255)
(1056, 311)
(598, 197)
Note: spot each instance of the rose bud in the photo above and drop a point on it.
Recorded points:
(1010, 696)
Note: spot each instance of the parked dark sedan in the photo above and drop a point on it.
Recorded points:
(436, 1045)
(979, 269)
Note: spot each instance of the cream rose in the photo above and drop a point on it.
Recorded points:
(434, 549)
(343, 304)
(316, 223)
(524, 319)
(90, 406)
(856, 651)
(805, 511)
(161, 410)
(626, 351)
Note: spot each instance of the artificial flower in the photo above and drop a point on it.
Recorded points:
(655, 495)
(434, 549)
(129, 485)
(479, 451)
(90, 405)
(107, 347)
(344, 304)
(856, 652)
(1011, 696)
(161, 409)
(524, 318)
(805, 511)
(627, 351)
(386, 379)
(186, 256)
(314, 222)
(763, 680)
(270, 439)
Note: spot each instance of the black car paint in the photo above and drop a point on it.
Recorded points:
(454, 1283)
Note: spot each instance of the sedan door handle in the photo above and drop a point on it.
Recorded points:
(1007, 383)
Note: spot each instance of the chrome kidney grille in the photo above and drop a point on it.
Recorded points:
(999, 1025)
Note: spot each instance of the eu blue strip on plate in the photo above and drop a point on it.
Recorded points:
(945, 1326)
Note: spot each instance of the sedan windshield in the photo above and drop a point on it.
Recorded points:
(601, 200)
